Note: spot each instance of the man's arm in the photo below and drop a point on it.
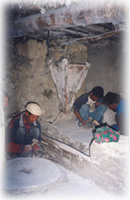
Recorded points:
(80, 118)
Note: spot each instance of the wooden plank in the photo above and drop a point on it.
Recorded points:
(90, 38)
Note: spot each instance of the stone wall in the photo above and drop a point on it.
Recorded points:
(107, 65)
(28, 77)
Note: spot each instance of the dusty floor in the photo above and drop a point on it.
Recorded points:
(68, 185)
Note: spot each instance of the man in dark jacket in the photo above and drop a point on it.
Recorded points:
(24, 131)
(89, 107)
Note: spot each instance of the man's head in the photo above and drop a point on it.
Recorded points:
(33, 111)
(96, 93)
(112, 100)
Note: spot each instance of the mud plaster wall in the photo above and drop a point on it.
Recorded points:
(107, 65)
(28, 77)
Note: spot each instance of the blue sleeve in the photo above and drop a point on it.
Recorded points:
(120, 107)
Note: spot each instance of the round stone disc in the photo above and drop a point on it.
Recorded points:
(30, 174)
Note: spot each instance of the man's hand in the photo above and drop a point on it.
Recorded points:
(84, 122)
(27, 148)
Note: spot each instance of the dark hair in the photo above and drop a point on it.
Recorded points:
(28, 112)
(98, 91)
(111, 98)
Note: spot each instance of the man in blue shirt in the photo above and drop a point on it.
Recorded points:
(89, 107)
(116, 104)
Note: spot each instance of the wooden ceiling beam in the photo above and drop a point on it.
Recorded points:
(90, 38)
(66, 17)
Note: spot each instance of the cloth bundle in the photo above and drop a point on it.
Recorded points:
(105, 134)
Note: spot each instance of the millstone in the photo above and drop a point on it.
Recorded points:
(27, 174)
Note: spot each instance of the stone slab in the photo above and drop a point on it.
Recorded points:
(68, 132)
